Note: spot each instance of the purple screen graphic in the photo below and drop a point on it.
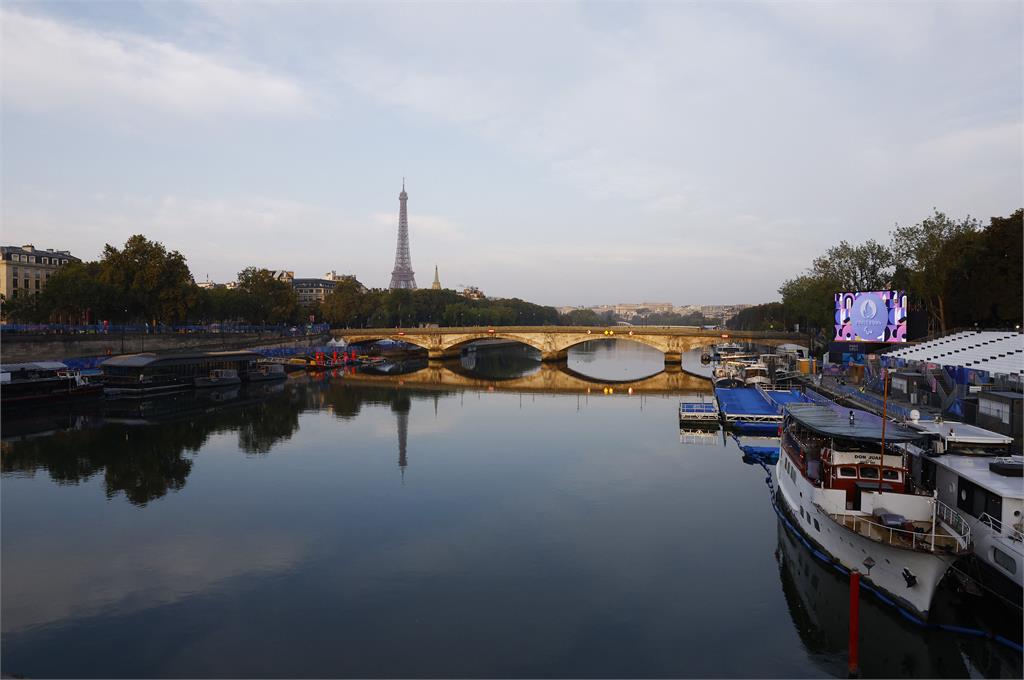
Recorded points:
(871, 316)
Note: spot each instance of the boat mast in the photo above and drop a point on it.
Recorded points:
(885, 399)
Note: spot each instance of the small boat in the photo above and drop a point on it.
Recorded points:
(39, 381)
(264, 372)
(219, 377)
(843, 483)
(755, 374)
(727, 375)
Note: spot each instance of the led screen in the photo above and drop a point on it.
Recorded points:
(873, 316)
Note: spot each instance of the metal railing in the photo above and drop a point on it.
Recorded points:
(915, 539)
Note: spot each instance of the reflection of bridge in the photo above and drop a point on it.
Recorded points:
(554, 342)
(548, 378)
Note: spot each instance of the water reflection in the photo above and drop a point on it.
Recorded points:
(144, 449)
(818, 601)
(615, 360)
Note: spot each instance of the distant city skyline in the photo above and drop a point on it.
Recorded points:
(684, 152)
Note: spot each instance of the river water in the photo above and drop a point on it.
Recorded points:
(376, 526)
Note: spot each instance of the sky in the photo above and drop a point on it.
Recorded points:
(565, 153)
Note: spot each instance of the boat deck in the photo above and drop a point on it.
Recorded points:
(910, 535)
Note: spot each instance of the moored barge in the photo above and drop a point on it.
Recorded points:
(41, 381)
(137, 375)
(845, 487)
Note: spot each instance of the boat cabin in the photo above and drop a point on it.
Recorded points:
(842, 449)
(150, 371)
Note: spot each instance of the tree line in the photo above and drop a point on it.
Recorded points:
(959, 272)
(146, 282)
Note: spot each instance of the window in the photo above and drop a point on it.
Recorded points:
(44, 260)
(15, 282)
(14, 272)
(847, 472)
(37, 283)
(63, 261)
(869, 472)
(994, 409)
(32, 258)
(37, 274)
(816, 525)
(1004, 560)
(890, 474)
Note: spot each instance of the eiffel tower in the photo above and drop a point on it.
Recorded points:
(402, 276)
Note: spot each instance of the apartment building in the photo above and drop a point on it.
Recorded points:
(24, 270)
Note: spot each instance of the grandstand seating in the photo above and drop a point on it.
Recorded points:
(992, 351)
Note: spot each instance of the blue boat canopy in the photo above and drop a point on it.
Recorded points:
(833, 423)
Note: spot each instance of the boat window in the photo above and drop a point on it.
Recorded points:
(847, 471)
(816, 525)
(1004, 560)
(869, 472)
(890, 474)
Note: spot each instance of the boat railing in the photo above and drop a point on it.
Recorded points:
(996, 524)
(954, 521)
(918, 538)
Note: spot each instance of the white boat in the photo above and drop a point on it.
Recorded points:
(219, 377)
(853, 502)
(727, 375)
(755, 374)
(967, 466)
(265, 371)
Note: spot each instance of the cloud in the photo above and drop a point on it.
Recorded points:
(50, 65)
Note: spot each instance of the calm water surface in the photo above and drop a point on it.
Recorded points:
(336, 527)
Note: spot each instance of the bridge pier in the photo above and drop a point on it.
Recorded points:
(556, 356)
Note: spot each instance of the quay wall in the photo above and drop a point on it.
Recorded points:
(18, 348)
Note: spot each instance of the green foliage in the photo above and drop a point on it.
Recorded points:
(269, 300)
(581, 317)
(770, 316)
(931, 252)
(148, 281)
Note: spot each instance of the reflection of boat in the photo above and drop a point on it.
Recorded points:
(701, 435)
(40, 381)
(818, 599)
(764, 449)
(853, 502)
(219, 377)
(962, 464)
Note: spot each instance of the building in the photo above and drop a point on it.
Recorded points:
(25, 270)
(282, 275)
(472, 293)
(313, 291)
(436, 285)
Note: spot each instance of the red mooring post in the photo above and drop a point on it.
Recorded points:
(854, 662)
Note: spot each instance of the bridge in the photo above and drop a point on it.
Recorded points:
(548, 378)
(553, 342)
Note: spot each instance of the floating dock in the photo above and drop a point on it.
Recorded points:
(755, 410)
(698, 408)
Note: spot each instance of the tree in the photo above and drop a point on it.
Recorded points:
(928, 264)
(868, 266)
(810, 299)
(148, 281)
(345, 305)
(270, 300)
(76, 294)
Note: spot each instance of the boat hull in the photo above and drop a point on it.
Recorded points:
(795, 498)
